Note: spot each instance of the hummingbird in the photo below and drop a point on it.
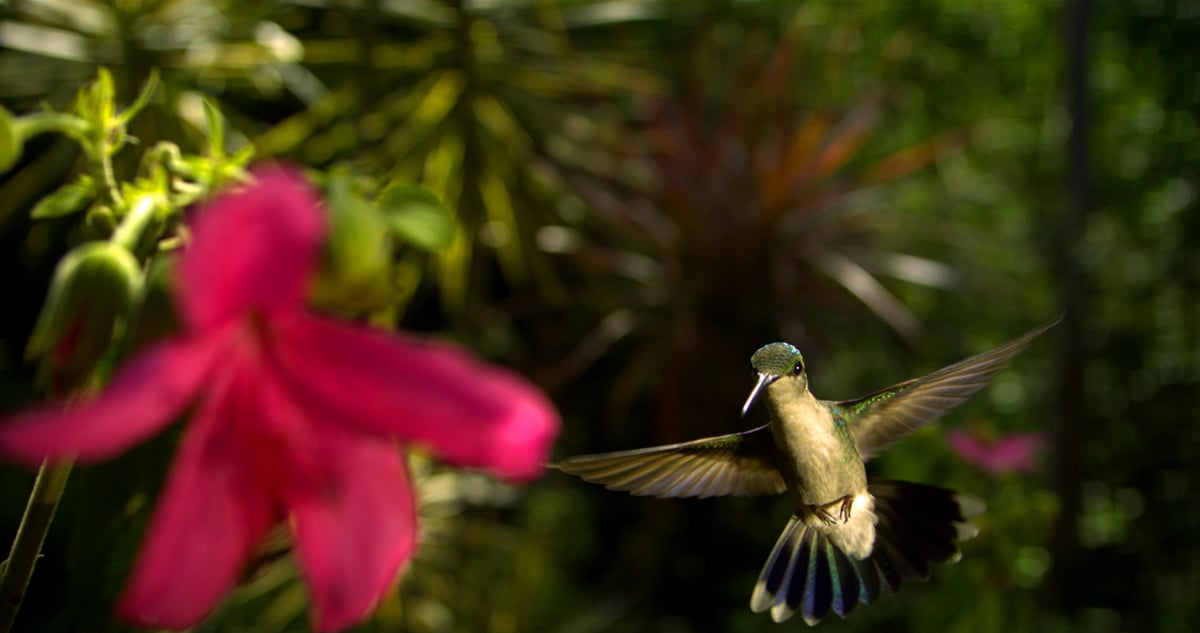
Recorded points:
(852, 537)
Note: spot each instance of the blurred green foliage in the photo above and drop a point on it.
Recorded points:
(640, 193)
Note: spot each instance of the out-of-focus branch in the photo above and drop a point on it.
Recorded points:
(1072, 408)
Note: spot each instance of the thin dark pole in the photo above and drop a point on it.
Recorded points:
(1072, 401)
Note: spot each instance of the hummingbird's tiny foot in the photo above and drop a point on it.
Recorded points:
(847, 504)
(823, 515)
(843, 506)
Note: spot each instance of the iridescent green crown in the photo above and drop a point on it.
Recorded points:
(776, 359)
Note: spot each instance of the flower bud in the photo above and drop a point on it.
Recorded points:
(100, 219)
(89, 297)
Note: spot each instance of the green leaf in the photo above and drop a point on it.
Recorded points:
(241, 158)
(417, 216)
(356, 273)
(10, 141)
(67, 199)
(95, 101)
(216, 130)
(142, 99)
(102, 96)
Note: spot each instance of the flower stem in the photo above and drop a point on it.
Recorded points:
(133, 225)
(34, 124)
(103, 164)
(27, 545)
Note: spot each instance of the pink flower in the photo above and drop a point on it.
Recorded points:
(293, 417)
(1009, 453)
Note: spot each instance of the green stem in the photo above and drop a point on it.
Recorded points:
(133, 225)
(42, 122)
(110, 178)
(27, 545)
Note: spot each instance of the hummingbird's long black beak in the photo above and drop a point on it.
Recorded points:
(763, 381)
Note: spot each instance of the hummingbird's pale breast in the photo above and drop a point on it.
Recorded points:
(821, 465)
(819, 461)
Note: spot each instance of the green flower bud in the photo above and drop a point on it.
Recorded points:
(100, 219)
(90, 294)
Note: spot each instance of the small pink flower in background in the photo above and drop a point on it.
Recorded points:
(1014, 452)
(294, 417)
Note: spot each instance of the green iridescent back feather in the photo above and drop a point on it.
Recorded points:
(842, 431)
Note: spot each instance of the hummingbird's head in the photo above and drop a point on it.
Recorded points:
(772, 362)
(778, 359)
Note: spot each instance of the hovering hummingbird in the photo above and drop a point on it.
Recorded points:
(852, 538)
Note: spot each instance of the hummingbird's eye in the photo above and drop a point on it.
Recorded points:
(797, 368)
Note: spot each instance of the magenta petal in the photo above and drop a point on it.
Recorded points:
(1010, 453)
(355, 529)
(1016, 452)
(967, 446)
(210, 515)
(464, 411)
(353, 539)
(146, 394)
(254, 249)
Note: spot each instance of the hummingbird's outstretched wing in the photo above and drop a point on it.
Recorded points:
(876, 421)
(736, 464)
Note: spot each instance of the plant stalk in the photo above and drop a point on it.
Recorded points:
(27, 545)
(133, 225)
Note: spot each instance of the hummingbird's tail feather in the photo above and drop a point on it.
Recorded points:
(807, 573)
(918, 525)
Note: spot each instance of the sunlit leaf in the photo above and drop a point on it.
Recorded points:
(10, 141)
(67, 199)
(911, 159)
(867, 288)
(96, 102)
(501, 231)
(142, 100)
(854, 131)
(797, 159)
(417, 216)
(356, 272)
(216, 130)
(918, 270)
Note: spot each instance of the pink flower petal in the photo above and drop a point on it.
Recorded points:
(1010, 453)
(254, 249)
(967, 446)
(465, 412)
(355, 532)
(1016, 452)
(146, 394)
(210, 515)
